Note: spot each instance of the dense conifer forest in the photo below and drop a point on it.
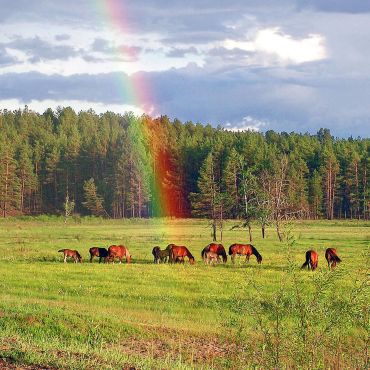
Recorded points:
(63, 162)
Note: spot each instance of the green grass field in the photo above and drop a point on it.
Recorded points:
(146, 316)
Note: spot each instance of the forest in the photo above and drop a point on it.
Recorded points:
(125, 166)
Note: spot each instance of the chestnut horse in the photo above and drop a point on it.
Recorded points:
(118, 251)
(244, 250)
(312, 260)
(332, 257)
(178, 254)
(98, 252)
(159, 255)
(211, 257)
(215, 248)
(72, 254)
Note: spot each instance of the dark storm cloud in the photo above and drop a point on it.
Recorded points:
(126, 53)
(181, 52)
(5, 58)
(231, 84)
(337, 6)
(62, 37)
(37, 86)
(37, 49)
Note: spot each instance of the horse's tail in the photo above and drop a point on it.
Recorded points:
(231, 249)
(61, 250)
(255, 252)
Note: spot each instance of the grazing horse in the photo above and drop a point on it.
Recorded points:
(98, 252)
(211, 257)
(215, 248)
(244, 250)
(312, 260)
(178, 254)
(72, 254)
(118, 251)
(161, 256)
(332, 257)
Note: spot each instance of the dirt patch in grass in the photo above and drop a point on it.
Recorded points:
(172, 344)
(8, 364)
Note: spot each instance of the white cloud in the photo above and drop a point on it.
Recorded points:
(41, 105)
(272, 42)
(248, 123)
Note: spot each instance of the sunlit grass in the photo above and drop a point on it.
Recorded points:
(151, 316)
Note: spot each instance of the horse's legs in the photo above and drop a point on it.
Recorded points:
(65, 258)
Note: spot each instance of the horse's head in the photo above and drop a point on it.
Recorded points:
(192, 260)
(259, 259)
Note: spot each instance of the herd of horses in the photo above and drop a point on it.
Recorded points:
(211, 254)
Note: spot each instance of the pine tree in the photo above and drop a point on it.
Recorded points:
(93, 202)
(26, 176)
(208, 202)
(9, 182)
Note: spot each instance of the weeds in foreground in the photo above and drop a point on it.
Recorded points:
(305, 322)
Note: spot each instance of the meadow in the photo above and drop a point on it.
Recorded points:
(146, 316)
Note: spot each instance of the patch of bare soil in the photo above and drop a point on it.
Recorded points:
(173, 344)
(7, 364)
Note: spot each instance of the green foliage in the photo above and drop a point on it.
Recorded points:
(93, 202)
(139, 164)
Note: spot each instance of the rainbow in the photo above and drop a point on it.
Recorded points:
(147, 135)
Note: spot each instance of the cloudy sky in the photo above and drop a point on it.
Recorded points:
(287, 65)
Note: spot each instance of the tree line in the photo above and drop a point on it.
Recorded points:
(63, 162)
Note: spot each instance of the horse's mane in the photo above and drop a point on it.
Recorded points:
(223, 252)
(190, 256)
(205, 250)
(255, 252)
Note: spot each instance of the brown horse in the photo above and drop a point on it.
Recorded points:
(98, 252)
(178, 254)
(161, 256)
(215, 248)
(332, 257)
(211, 257)
(71, 254)
(118, 251)
(244, 250)
(312, 260)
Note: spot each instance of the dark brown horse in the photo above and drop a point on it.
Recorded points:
(332, 257)
(118, 251)
(178, 254)
(312, 260)
(161, 255)
(244, 250)
(98, 252)
(215, 248)
(70, 253)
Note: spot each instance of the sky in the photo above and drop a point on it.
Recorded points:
(287, 65)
